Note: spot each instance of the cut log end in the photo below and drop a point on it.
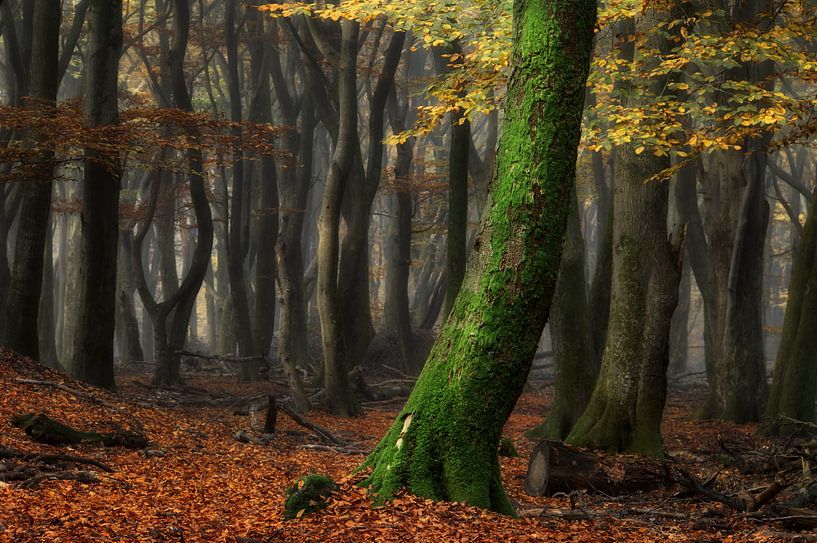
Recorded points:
(555, 467)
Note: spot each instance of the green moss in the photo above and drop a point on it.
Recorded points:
(506, 448)
(307, 495)
(44, 429)
(444, 443)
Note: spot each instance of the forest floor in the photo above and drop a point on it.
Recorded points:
(198, 484)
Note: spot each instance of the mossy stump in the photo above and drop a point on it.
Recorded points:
(506, 448)
(308, 495)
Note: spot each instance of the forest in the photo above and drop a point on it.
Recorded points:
(418, 271)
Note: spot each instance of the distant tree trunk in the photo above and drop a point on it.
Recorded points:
(129, 343)
(627, 405)
(353, 274)
(45, 319)
(260, 111)
(171, 317)
(572, 338)
(237, 244)
(396, 305)
(679, 330)
(793, 390)
(339, 396)
(456, 245)
(295, 183)
(737, 217)
(443, 445)
(22, 300)
(93, 352)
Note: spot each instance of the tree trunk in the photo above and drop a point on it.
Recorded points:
(260, 111)
(353, 275)
(572, 338)
(237, 244)
(625, 411)
(444, 443)
(457, 240)
(93, 351)
(679, 329)
(397, 318)
(22, 299)
(793, 390)
(339, 397)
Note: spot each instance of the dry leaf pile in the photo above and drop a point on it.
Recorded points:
(195, 483)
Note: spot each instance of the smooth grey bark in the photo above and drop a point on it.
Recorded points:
(397, 318)
(339, 396)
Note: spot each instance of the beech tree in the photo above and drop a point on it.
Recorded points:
(93, 350)
(443, 445)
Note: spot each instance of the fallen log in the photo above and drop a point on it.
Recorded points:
(555, 467)
(44, 429)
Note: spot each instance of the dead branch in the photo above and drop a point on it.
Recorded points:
(51, 458)
(319, 430)
(218, 358)
(81, 476)
(693, 485)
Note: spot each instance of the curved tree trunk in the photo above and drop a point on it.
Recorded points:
(171, 317)
(443, 444)
(354, 274)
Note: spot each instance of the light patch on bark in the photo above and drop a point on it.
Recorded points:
(406, 424)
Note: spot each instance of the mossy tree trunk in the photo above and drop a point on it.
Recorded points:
(627, 405)
(443, 444)
(792, 393)
(572, 337)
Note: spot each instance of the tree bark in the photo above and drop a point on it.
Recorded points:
(793, 389)
(22, 299)
(572, 338)
(339, 397)
(625, 411)
(443, 444)
(93, 351)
